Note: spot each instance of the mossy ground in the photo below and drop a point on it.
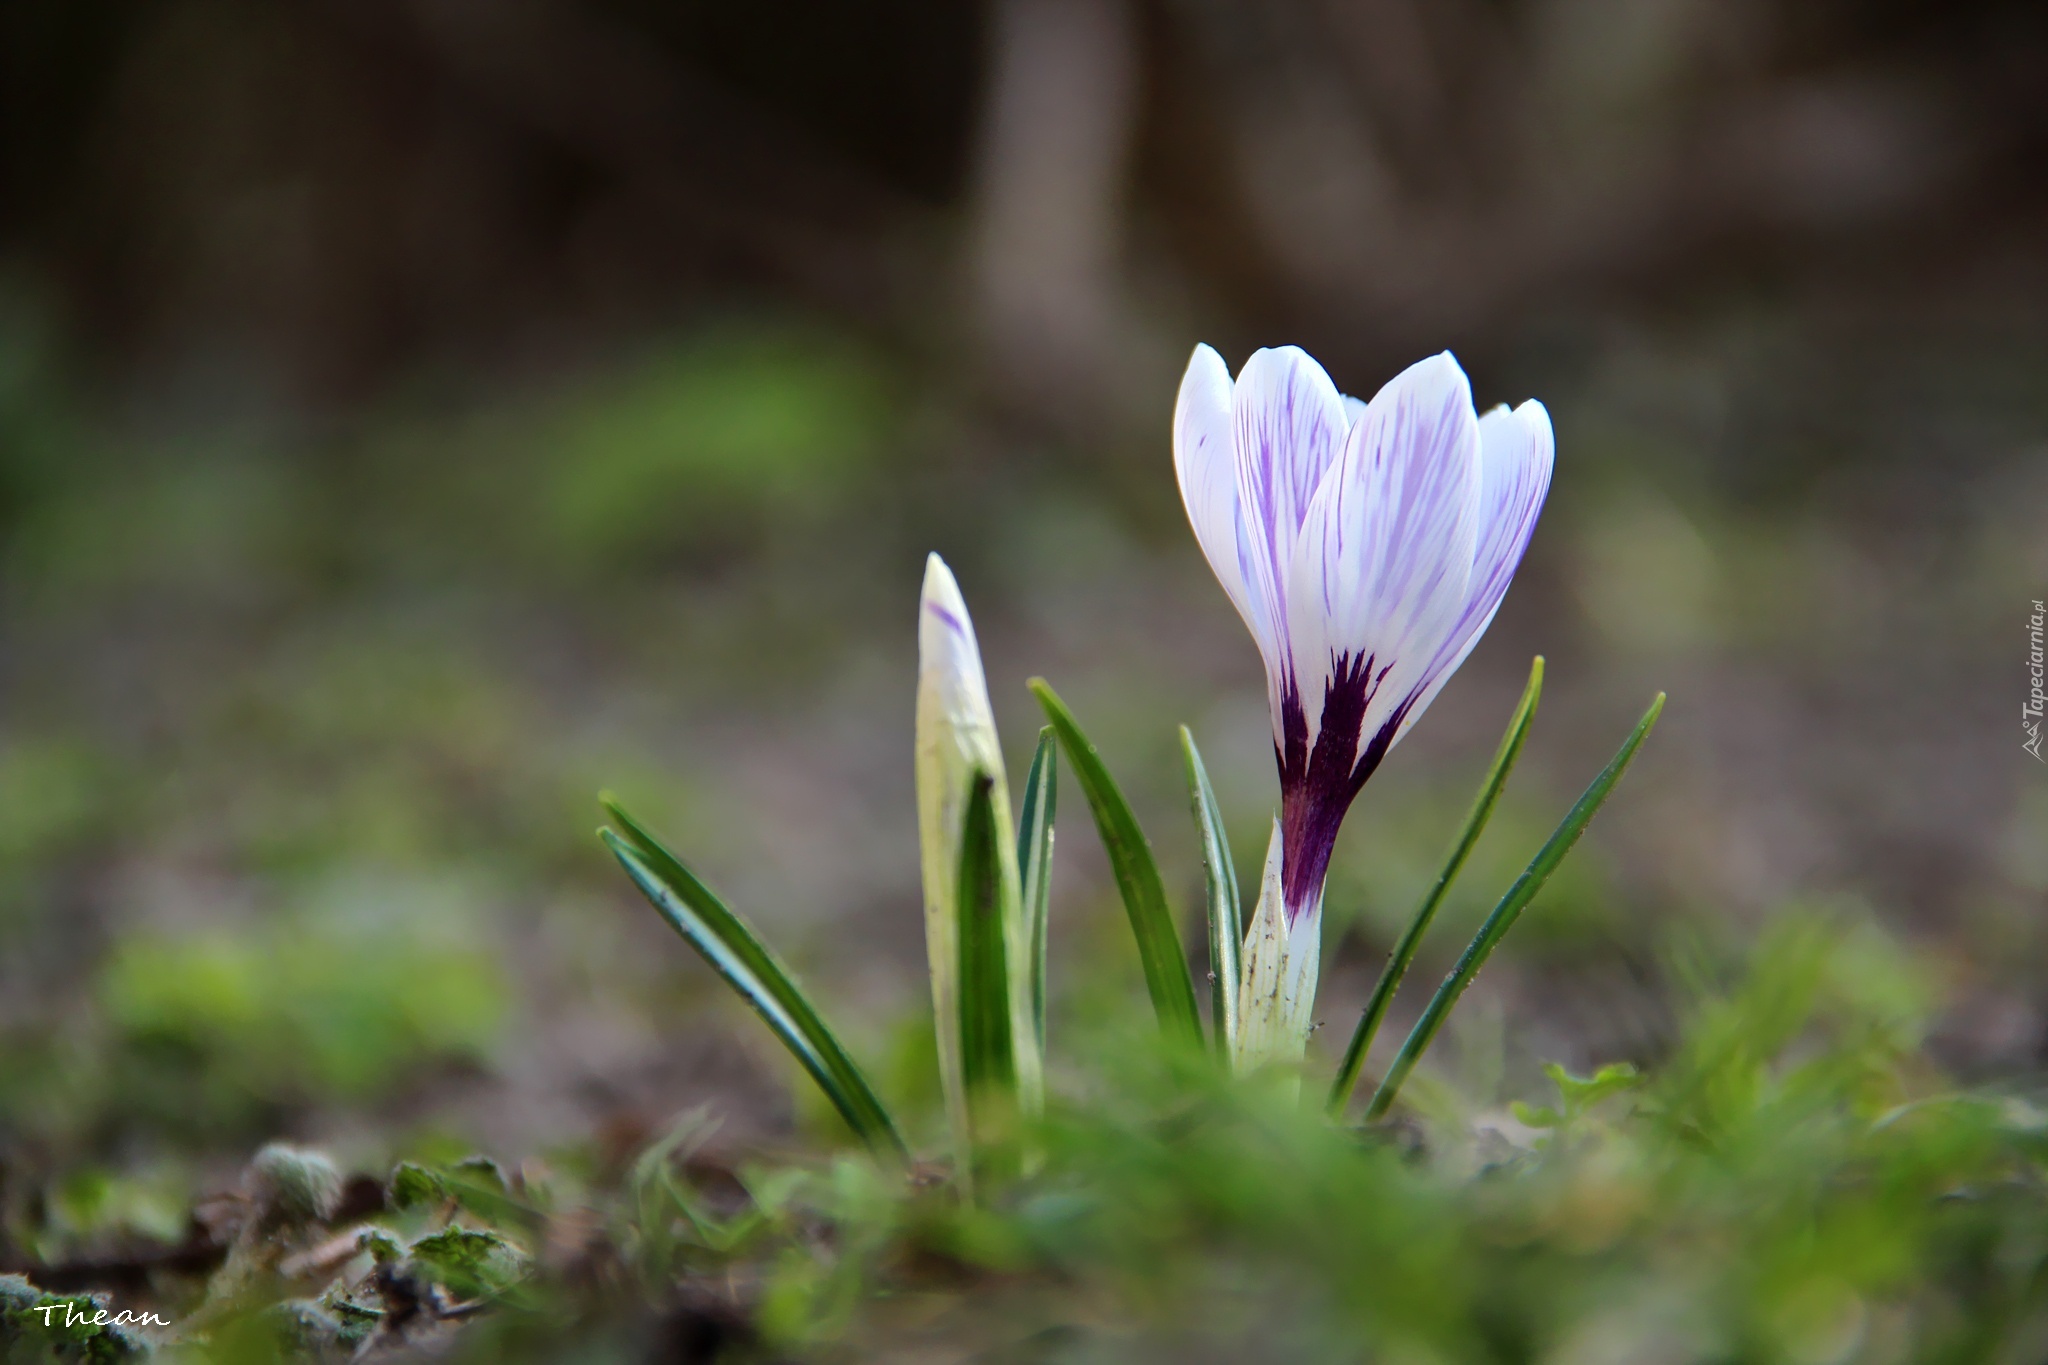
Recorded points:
(1792, 1181)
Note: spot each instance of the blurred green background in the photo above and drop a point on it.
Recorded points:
(415, 416)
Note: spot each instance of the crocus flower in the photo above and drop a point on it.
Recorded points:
(1367, 547)
(956, 742)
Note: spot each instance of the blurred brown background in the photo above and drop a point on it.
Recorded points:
(416, 414)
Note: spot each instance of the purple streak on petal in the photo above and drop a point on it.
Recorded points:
(1289, 424)
(1515, 465)
(1420, 502)
(946, 616)
(1317, 785)
(1515, 462)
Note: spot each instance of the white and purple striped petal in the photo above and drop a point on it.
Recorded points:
(1288, 425)
(1516, 450)
(1205, 460)
(1385, 559)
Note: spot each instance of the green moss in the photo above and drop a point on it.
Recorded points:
(324, 1002)
(58, 1328)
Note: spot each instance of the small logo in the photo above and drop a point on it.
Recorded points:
(2037, 697)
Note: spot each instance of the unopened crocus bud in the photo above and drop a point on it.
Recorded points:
(956, 744)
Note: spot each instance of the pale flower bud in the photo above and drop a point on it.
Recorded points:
(956, 738)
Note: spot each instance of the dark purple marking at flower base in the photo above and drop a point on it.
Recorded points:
(1317, 786)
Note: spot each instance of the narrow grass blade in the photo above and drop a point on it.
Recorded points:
(1404, 951)
(1034, 862)
(1504, 914)
(737, 954)
(1137, 875)
(1226, 916)
(987, 1060)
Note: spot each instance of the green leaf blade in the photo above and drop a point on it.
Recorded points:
(1509, 909)
(736, 953)
(1034, 862)
(1137, 875)
(1226, 913)
(987, 1056)
(1403, 954)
